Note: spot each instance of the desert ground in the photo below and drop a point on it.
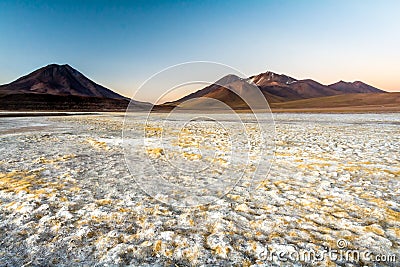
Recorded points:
(67, 197)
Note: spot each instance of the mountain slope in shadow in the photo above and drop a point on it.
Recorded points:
(60, 87)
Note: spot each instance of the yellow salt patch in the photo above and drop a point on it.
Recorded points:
(365, 163)
(29, 182)
(222, 251)
(305, 166)
(168, 252)
(246, 263)
(153, 131)
(248, 184)
(157, 246)
(280, 183)
(202, 208)
(324, 229)
(124, 210)
(155, 152)
(91, 234)
(274, 235)
(191, 156)
(188, 142)
(141, 220)
(322, 164)
(293, 233)
(67, 157)
(266, 207)
(41, 191)
(352, 168)
(79, 223)
(392, 215)
(55, 160)
(312, 166)
(281, 154)
(17, 181)
(185, 131)
(75, 189)
(395, 173)
(235, 197)
(102, 202)
(20, 207)
(97, 144)
(220, 161)
(254, 157)
(374, 229)
(242, 208)
(10, 204)
(248, 235)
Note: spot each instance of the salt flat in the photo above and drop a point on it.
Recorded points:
(68, 198)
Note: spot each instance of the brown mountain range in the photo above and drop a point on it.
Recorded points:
(293, 89)
(60, 87)
(287, 93)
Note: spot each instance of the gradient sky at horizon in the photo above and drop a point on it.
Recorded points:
(120, 44)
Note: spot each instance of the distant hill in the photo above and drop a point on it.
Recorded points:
(276, 88)
(59, 87)
(355, 87)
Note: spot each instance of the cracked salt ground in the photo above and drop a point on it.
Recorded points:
(66, 197)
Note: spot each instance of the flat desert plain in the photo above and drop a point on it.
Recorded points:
(68, 198)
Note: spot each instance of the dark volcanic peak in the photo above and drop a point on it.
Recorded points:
(61, 80)
(355, 87)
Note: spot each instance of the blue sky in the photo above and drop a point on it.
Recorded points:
(120, 44)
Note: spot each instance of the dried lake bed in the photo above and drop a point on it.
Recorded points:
(67, 197)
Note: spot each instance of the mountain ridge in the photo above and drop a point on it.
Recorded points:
(276, 88)
(355, 87)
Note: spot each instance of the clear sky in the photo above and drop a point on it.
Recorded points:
(119, 44)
